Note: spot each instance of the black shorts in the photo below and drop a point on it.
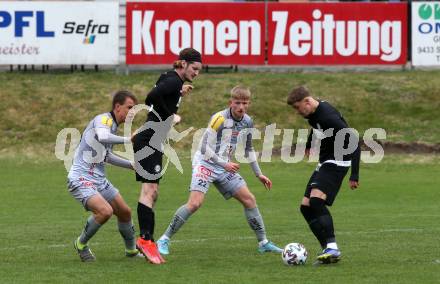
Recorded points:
(328, 178)
(149, 159)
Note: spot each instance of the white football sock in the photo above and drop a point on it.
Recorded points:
(164, 237)
(332, 246)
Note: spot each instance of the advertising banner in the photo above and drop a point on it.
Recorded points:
(59, 32)
(425, 33)
(337, 33)
(225, 33)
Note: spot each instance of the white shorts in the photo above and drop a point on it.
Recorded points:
(227, 183)
(82, 189)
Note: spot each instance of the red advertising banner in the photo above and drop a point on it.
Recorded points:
(337, 33)
(225, 33)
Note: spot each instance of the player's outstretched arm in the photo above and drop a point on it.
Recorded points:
(105, 136)
(265, 181)
(118, 161)
(250, 155)
(355, 161)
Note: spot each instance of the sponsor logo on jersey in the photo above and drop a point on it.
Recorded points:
(107, 121)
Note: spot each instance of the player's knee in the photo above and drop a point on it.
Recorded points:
(305, 201)
(318, 193)
(126, 213)
(317, 205)
(316, 202)
(149, 188)
(305, 210)
(105, 212)
(194, 205)
(150, 192)
(155, 195)
(250, 201)
(152, 195)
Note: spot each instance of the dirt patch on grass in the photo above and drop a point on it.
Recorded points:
(410, 148)
(394, 148)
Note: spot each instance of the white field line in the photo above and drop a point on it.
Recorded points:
(235, 238)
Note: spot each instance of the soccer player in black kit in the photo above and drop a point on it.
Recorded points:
(163, 101)
(337, 153)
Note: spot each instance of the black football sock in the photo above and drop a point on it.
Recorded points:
(324, 218)
(146, 221)
(314, 224)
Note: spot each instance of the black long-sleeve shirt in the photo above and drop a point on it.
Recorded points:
(326, 117)
(165, 96)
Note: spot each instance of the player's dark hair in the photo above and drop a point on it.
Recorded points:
(189, 55)
(297, 95)
(120, 96)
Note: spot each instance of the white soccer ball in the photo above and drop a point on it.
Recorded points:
(294, 254)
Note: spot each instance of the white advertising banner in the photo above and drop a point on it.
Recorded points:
(59, 32)
(426, 33)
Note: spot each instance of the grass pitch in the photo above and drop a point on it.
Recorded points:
(388, 230)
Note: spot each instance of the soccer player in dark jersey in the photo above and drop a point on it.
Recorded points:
(339, 150)
(163, 101)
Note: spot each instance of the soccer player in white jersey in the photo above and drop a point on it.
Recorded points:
(212, 164)
(88, 184)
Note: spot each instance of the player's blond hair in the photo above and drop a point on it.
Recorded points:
(178, 64)
(240, 93)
